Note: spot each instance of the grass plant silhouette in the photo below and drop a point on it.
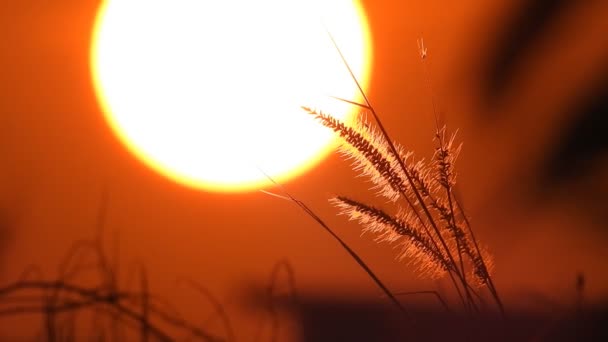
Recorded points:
(430, 224)
(88, 283)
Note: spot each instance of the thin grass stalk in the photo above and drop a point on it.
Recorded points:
(452, 216)
(423, 55)
(349, 250)
(271, 296)
(435, 204)
(490, 283)
(217, 306)
(358, 259)
(434, 293)
(50, 321)
(461, 241)
(459, 248)
(145, 306)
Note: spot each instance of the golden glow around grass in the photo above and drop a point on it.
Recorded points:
(209, 93)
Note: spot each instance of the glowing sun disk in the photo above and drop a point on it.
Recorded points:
(208, 93)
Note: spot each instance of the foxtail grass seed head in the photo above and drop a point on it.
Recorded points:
(415, 246)
(445, 158)
(369, 156)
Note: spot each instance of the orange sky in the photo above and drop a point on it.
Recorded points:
(57, 157)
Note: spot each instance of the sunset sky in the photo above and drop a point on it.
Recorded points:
(514, 98)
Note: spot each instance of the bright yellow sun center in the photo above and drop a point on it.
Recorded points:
(208, 93)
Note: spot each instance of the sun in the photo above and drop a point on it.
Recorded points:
(209, 93)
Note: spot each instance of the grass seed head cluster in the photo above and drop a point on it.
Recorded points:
(427, 221)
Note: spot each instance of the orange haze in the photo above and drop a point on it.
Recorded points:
(58, 158)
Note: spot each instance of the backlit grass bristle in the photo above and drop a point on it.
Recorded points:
(368, 155)
(415, 246)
